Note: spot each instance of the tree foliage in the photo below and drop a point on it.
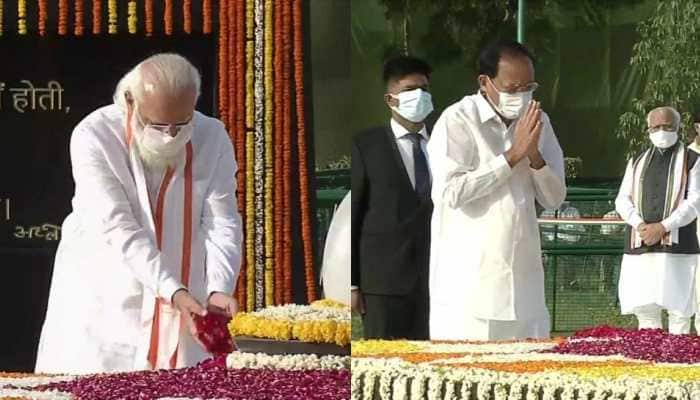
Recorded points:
(668, 56)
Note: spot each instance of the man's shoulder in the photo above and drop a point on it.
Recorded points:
(208, 129)
(466, 107)
(103, 125)
(369, 136)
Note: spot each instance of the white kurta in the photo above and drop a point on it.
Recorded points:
(337, 261)
(667, 280)
(486, 269)
(108, 269)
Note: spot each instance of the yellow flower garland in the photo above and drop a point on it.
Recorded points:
(133, 18)
(310, 331)
(655, 372)
(2, 6)
(369, 347)
(328, 303)
(250, 85)
(22, 17)
(250, 19)
(269, 239)
(113, 17)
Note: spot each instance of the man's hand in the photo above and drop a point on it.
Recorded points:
(527, 136)
(222, 303)
(356, 303)
(188, 307)
(651, 234)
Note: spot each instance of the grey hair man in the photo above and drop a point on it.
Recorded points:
(659, 199)
(154, 237)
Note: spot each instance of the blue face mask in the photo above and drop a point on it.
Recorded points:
(414, 105)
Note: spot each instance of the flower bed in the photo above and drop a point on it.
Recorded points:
(600, 363)
(320, 322)
(238, 376)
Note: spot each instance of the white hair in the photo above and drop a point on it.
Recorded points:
(166, 72)
(666, 109)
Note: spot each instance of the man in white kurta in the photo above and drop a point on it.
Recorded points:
(154, 235)
(659, 199)
(486, 274)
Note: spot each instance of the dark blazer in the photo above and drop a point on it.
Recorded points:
(390, 222)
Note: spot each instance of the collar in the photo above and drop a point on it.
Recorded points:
(486, 111)
(399, 131)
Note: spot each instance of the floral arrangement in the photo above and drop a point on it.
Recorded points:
(598, 363)
(238, 376)
(316, 323)
(287, 362)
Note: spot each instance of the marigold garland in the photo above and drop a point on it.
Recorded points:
(148, 8)
(238, 102)
(278, 189)
(269, 112)
(187, 15)
(43, 14)
(133, 17)
(168, 17)
(206, 16)
(2, 7)
(223, 62)
(113, 17)
(286, 154)
(22, 17)
(96, 17)
(250, 20)
(306, 234)
(62, 17)
(228, 114)
(79, 28)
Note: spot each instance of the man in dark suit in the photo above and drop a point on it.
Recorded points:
(391, 209)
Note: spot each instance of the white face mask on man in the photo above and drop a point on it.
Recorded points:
(663, 139)
(157, 146)
(511, 105)
(414, 105)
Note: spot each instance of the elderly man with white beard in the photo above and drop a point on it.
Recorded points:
(154, 238)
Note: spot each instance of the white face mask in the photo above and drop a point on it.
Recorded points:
(511, 105)
(664, 139)
(158, 147)
(414, 105)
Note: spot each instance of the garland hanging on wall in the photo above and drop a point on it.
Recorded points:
(261, 101)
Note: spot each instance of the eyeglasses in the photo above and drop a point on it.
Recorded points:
(164, 128)
(664, 127)
(528, 87)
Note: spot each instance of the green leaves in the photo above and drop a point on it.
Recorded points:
(668, 57)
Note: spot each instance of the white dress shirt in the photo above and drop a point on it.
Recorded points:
(405, 146)
(663, 279)
(485, 257)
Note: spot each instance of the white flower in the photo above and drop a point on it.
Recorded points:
(238, 360)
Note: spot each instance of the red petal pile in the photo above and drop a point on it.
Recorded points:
(645, 344)
(212, 331)
(209, 381)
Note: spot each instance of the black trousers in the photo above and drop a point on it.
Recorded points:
(397, 317)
